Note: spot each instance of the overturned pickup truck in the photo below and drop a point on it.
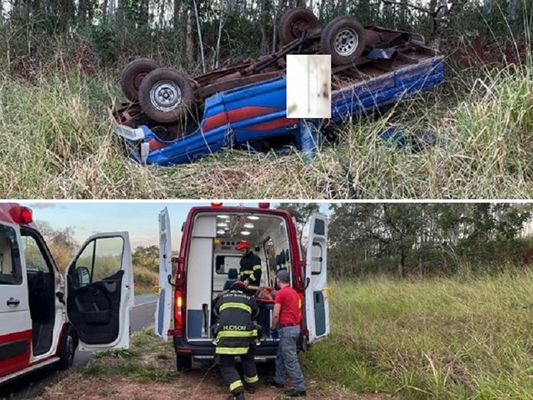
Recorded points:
(173, 119)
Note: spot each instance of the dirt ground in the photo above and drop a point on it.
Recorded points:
(147, 372)
(200, 384)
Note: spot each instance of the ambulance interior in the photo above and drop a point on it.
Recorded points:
(213, 243)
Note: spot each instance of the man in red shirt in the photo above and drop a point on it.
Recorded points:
(285, 316)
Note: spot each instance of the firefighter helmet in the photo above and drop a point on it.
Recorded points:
(243, 244)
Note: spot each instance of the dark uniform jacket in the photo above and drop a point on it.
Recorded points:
(251, 270)
(236, 328)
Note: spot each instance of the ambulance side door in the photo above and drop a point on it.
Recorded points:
(99, 292)
(15, 319)
(317, 292)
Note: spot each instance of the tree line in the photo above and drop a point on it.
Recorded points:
(209, 32)
(400, 239)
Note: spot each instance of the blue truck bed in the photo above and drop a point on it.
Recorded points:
(257, 111)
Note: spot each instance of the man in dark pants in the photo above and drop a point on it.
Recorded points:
(235, 335)
(250, 268)
(286, 318)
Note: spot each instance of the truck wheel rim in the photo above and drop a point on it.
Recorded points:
(346, 42)
(165, 96)
(299, 28)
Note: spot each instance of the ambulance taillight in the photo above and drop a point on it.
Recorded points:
(300, 306)
(21, 215)
(178, 315)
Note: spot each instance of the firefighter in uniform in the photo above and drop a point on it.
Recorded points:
(235, 336)
(250, 272)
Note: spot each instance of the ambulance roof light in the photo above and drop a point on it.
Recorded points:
(216, 204)
(264, 205)
(21, 215)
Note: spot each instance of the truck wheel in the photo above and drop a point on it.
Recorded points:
(165, 95)
(344, 39)
(133, 74)
(294, 22)
(183, 363)
(67, 349)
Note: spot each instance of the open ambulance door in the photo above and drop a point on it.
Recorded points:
(163, 310)
(316, 291)
(99, 292)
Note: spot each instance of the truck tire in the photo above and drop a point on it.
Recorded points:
(166, 95)
(67, 349)
(344, 39)
(294, 22)
(183, 363)
(133, 74)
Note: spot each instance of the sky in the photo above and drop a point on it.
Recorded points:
(139, 218)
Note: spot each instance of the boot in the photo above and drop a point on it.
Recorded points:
(249, 388)
(238, 396)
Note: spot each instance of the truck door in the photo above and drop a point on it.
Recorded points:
(163, 310)
(15, 320)
(100, 292)
(316, 292)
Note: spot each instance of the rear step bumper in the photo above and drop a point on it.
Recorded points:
(206, 349)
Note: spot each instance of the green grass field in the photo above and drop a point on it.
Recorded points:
(58, 142)
(441, 338)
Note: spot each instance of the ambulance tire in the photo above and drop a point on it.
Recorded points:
(183, 363)
(67, 349)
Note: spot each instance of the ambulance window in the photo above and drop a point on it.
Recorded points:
(10, 265)
(316, 259)
(35, 260)
(320, 227)
(100, 259)
(224, 263)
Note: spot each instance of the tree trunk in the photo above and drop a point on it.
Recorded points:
(513, 10)
(487, 6)
(219, 37)
(190, 47)
(199, 29)
(401, 265)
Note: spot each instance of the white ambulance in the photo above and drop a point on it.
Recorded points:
(208, 255)
(43, 316)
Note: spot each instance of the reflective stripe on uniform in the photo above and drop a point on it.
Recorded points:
(235, 334)
(256, 267)
(244, 307)
(253, 287)
(235, 385)
(231, 350)
(251, 379)
(247, 272)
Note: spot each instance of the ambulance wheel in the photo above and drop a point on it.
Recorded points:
(344, 39)
(133, 74)
(294, 22)
(67, 349)
(166, 95)
(183, 363)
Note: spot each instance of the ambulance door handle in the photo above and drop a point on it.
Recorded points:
(13, 302)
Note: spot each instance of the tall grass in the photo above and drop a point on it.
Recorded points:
(441, 338)
(58, 142)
